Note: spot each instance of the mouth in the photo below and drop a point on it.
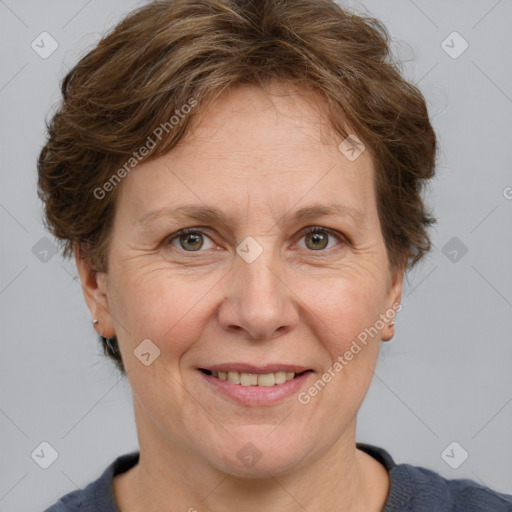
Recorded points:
(255, 386)
(255, 379)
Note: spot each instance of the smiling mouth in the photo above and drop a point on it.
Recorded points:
(254, 379)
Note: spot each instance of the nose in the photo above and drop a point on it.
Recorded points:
(258, 301)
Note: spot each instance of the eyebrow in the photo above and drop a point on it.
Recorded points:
(211, 214)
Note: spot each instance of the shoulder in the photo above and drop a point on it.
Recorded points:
(68, 503)
(99, 494)
(423, 489)
(418, 489)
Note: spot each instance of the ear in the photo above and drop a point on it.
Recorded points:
(94, 286)
(393, 301)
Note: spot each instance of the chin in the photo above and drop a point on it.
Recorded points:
(259, 453)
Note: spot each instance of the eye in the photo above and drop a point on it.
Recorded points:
(190, 240)
(193, 239)
(317, 238)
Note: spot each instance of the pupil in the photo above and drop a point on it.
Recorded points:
(195, 237)
(318, 237)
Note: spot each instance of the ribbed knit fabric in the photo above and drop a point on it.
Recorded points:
(413, 489)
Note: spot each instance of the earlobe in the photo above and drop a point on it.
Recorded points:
(94, 286)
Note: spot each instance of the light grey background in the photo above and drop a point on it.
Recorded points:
(445, 377)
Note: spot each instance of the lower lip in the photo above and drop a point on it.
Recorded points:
(257, 395)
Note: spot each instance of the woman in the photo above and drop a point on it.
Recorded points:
(240, 185)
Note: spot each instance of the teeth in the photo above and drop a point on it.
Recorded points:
(253, 379)
(248, 379)
(233, 377)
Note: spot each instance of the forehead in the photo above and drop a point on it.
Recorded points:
(246, 117)
(252, 150)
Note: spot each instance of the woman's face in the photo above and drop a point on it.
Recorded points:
(249, 291)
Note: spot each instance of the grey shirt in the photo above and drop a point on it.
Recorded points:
(413, 489)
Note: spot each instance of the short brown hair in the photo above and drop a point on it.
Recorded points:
(167, 52)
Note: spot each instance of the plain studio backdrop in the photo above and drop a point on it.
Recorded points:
(442, 393)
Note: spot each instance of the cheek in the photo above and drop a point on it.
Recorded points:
(158, 306)
(346, 312)
(347, 305)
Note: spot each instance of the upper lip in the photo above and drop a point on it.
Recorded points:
(251, 368)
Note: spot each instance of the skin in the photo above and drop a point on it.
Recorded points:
(258, 158)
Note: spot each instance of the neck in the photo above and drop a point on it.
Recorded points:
(169, 476)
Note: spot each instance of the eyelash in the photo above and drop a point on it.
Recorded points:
(307, 231)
